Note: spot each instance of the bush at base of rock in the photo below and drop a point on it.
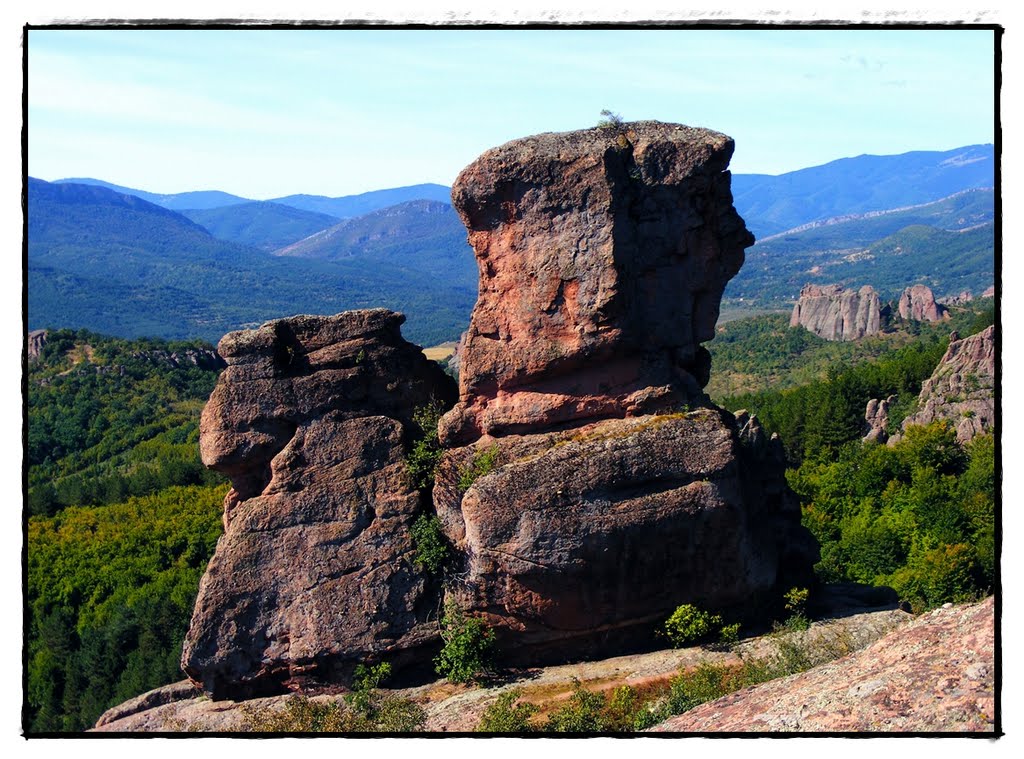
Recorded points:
(689, 625)
(468, 647)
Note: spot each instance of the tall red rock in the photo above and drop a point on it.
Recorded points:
(315, 571)
(590, 487)
(603, 255)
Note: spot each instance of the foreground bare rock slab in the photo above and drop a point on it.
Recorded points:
(835, 313)
(458, 708)
(961, 390)
(603, 255)
(936, 674)
(314, 572)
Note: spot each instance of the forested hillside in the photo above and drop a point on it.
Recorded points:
(123, 518)
(918, 516)
(90, 248)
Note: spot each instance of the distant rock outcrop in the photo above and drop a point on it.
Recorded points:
(586, 498)
(835, 313)
(36, 343)
(876, 419)
(314, 573)
(936, 674)
(961, 299)
(961, 390)
(918, 304)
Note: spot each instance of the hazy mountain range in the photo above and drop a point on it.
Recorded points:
(129, 262)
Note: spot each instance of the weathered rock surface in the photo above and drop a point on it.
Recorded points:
(936, 674)
(876, 419)
(835, 313)
(961, 390)
(603, 255)
(578, 542)
(36, 343)
(918, 304)
(314, 571)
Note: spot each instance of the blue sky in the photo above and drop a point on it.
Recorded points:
(264, 113)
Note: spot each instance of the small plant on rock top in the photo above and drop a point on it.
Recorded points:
(610, 121)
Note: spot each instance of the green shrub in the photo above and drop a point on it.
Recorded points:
(468, 646)
(301, 714)
(796, 605)
(729, 635)
(689, 625)
(426, 450)
(365, 682)
(483, 462)
(508, 715)
(581, 715)
(432, 549)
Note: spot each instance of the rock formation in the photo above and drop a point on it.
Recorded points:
(588, 488)
(310, 421)
(876, 419)
(603, 255)
(918, 304)
(936, 674)
(835, 313)
(36, 343)
(961, 390)
(961, 299)
(600, 501)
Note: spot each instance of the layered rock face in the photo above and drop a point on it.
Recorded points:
(587, 499)
(835, 313)
(603, 255)
(961, 390)
(918, 304)
(310, 421)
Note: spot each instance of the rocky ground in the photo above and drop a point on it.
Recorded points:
(931, 673)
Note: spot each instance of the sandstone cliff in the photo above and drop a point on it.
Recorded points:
(961, 390)
(314, 573)
(36, 343)
(918, 303)
(835, 313)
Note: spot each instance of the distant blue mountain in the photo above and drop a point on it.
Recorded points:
(115, 263)
(773, 204)
(178, 201)
(263, 225)
(350, 206)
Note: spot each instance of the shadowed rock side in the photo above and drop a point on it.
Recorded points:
(918, 304)
(835, 313)
(936, 674)
(961, 390)
(314, 571)
(603, 255)
(600, 500)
